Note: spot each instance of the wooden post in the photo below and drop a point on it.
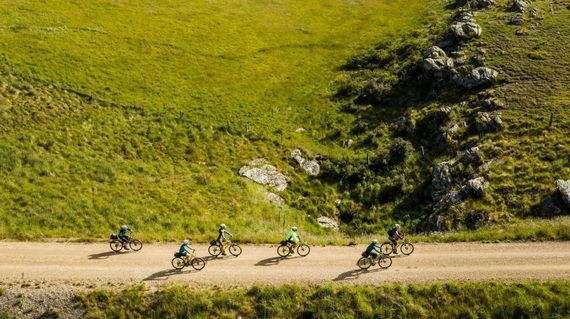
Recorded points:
(551, 119)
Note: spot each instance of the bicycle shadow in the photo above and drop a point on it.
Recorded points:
(220, 257)
(104, 255)
(355, 274)
(274, 260)
(165, 274)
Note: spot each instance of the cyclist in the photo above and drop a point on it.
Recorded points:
(372, 251)
(394, 234)
(185, 248)
(123, 236)
(222, 232)
(293, 238)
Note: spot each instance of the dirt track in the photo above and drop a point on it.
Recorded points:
(95, 263)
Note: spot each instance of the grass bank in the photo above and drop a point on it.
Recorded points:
(450, 300)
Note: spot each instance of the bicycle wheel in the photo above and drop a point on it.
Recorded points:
(116, 245)
(214, 250)
(303, 250)
(235, 250)
(385, 262)
(135, 244)
(283, 250)
(198, 263)
(386, 248)
(364, 263)
(407, 248)
(178, 263)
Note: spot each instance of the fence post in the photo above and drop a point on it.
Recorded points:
(551, 119)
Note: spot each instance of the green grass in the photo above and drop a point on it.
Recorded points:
(450, 300)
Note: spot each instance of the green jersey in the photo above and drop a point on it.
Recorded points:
(292, 236)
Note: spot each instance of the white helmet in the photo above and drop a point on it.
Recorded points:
(375, 241)
(294, 228)
(223, 225)
(186, 241)
(124, 227)
(397, 226)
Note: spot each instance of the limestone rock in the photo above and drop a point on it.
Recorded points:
(274, 198)
(479, 77)
(436, 64)
(564, 190)
(481, 4)
(472, 156)
(465, 30)
(311, 167)
(259, 171)
(476, 187)
(516, 20)
(441, 179)
(519, 6)
(489, 123)
(327, 222)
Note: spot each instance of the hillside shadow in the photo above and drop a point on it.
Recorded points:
(274, 260)
(104, 255)
(355, 274)
(165, 274)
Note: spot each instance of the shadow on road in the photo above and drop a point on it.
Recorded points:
(165, 274)
(355, 274)
(104, 255)
(274, 261)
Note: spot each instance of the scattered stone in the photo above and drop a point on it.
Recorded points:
(274, 198)
(548, 207)
(488, 123)
(299, 130)
(337, 202)
(491, 104)
(349, 142)
(476, 187)
(481, 4)
(441, 179)
(564, 190)
(465, 30)
(479, 77)
(327, 222)
(311, 167)
(472, 156)
(519, 6)
(259, 171)
(517, 20)
(436, 63)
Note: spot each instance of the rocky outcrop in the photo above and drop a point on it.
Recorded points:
(472, 156)
(516, 20)
(476, 187)
(564, 190)
(519, 6)
(479, 77)
(441, 179)
(274, 198)
(488, 123)
(327, 222)
(311, 167)
(259, 171)
(482, 4)
(465, 28)
(436, 64)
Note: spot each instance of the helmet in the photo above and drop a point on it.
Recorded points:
(294, 228)
(186, 241)
(397, 225)
(223, 225)
(124, 227)
(375, 241)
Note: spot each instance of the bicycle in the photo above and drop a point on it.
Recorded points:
(366, 261)
(216, 248)
(388, 248)
(286, 248)
(179, 261)
(117, 245)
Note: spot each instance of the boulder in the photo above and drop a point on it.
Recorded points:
(479, 77)
(472, 156)
(491, 104)
(564, 190)
(299, 130)
(465, 30)
(441, 179)
(488, 123)
(259, 171)
(519, 6)
(449, 200)
(516, 20)
(327, 222)
(436, 63)
(311, 167)
(476, 187)
(481, 4)
(274, 198)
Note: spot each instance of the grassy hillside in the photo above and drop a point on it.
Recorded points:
(452, 300)
(172, 99)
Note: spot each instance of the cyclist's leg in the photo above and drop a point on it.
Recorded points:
(374, 257)
(394, 245)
